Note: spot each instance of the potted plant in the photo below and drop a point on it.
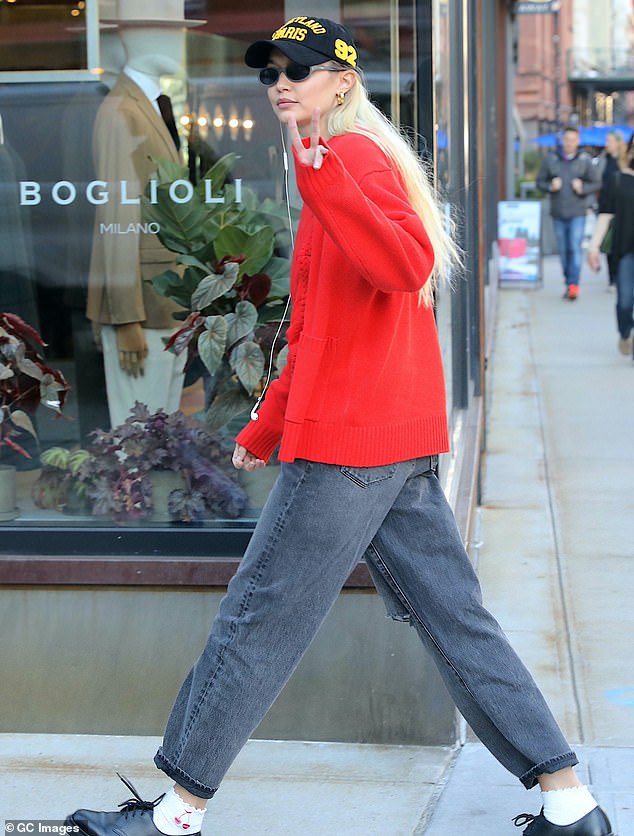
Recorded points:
(122, 472)
(234, 285)
(58, 487)
(26, 382)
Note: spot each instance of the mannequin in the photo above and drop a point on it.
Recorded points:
(112, 57)
(129, 130)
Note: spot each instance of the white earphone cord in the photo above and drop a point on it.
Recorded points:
(254, 411)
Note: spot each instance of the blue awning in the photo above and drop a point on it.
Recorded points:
(588, 135)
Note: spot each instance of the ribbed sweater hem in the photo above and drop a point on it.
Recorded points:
(364, 446)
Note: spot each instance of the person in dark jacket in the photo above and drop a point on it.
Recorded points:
(615, 160)
(617, 205)
(570, 177)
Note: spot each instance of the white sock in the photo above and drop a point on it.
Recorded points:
(175, 817)
(562, 807)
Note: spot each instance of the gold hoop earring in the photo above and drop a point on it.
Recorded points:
(341, 97)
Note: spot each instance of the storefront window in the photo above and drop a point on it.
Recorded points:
(111, 228)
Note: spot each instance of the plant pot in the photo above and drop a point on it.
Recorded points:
(77, 503)
(163, 483)
(8, 510)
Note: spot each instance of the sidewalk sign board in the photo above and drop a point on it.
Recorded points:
(519, 236)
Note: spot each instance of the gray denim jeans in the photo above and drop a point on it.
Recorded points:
(318, 522)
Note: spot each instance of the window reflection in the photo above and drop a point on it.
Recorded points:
(42, 35)
(72, 173)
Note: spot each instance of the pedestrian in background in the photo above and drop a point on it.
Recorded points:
(571, 179)
(614, 160)
(617, 207)
(359, 414)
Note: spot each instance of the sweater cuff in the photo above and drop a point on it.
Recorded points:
(258, 440)
(328, 176)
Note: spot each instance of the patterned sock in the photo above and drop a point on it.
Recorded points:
(175, 817)
(562, 807)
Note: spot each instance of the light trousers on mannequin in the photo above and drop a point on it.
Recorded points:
(159, 387)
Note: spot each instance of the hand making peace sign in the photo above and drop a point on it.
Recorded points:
(315, 153)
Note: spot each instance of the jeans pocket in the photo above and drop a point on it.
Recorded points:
(367, 476)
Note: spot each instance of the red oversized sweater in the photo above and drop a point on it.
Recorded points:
(364, 383)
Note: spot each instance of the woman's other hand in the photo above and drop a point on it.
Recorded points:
(243, 460)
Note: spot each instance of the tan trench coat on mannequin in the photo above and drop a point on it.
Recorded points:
(128, 133)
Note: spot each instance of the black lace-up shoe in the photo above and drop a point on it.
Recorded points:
(596, 823)
(134, 818)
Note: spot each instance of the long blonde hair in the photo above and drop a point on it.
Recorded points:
(358, 115)
(621, 147)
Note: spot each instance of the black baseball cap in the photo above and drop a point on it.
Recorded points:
(306, 40)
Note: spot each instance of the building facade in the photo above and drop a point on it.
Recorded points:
(96, 208)
(575, 63)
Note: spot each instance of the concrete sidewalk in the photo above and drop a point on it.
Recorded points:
(555, 552)
(556, 556)
(277, 788)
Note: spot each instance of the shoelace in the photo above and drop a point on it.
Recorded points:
(136, 804)
(525, 818)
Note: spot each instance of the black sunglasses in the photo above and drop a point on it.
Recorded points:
(293, 72)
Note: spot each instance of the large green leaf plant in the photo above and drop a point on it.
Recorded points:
(233, 281)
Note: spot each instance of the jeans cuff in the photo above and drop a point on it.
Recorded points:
(182, 778)
(529, 779)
